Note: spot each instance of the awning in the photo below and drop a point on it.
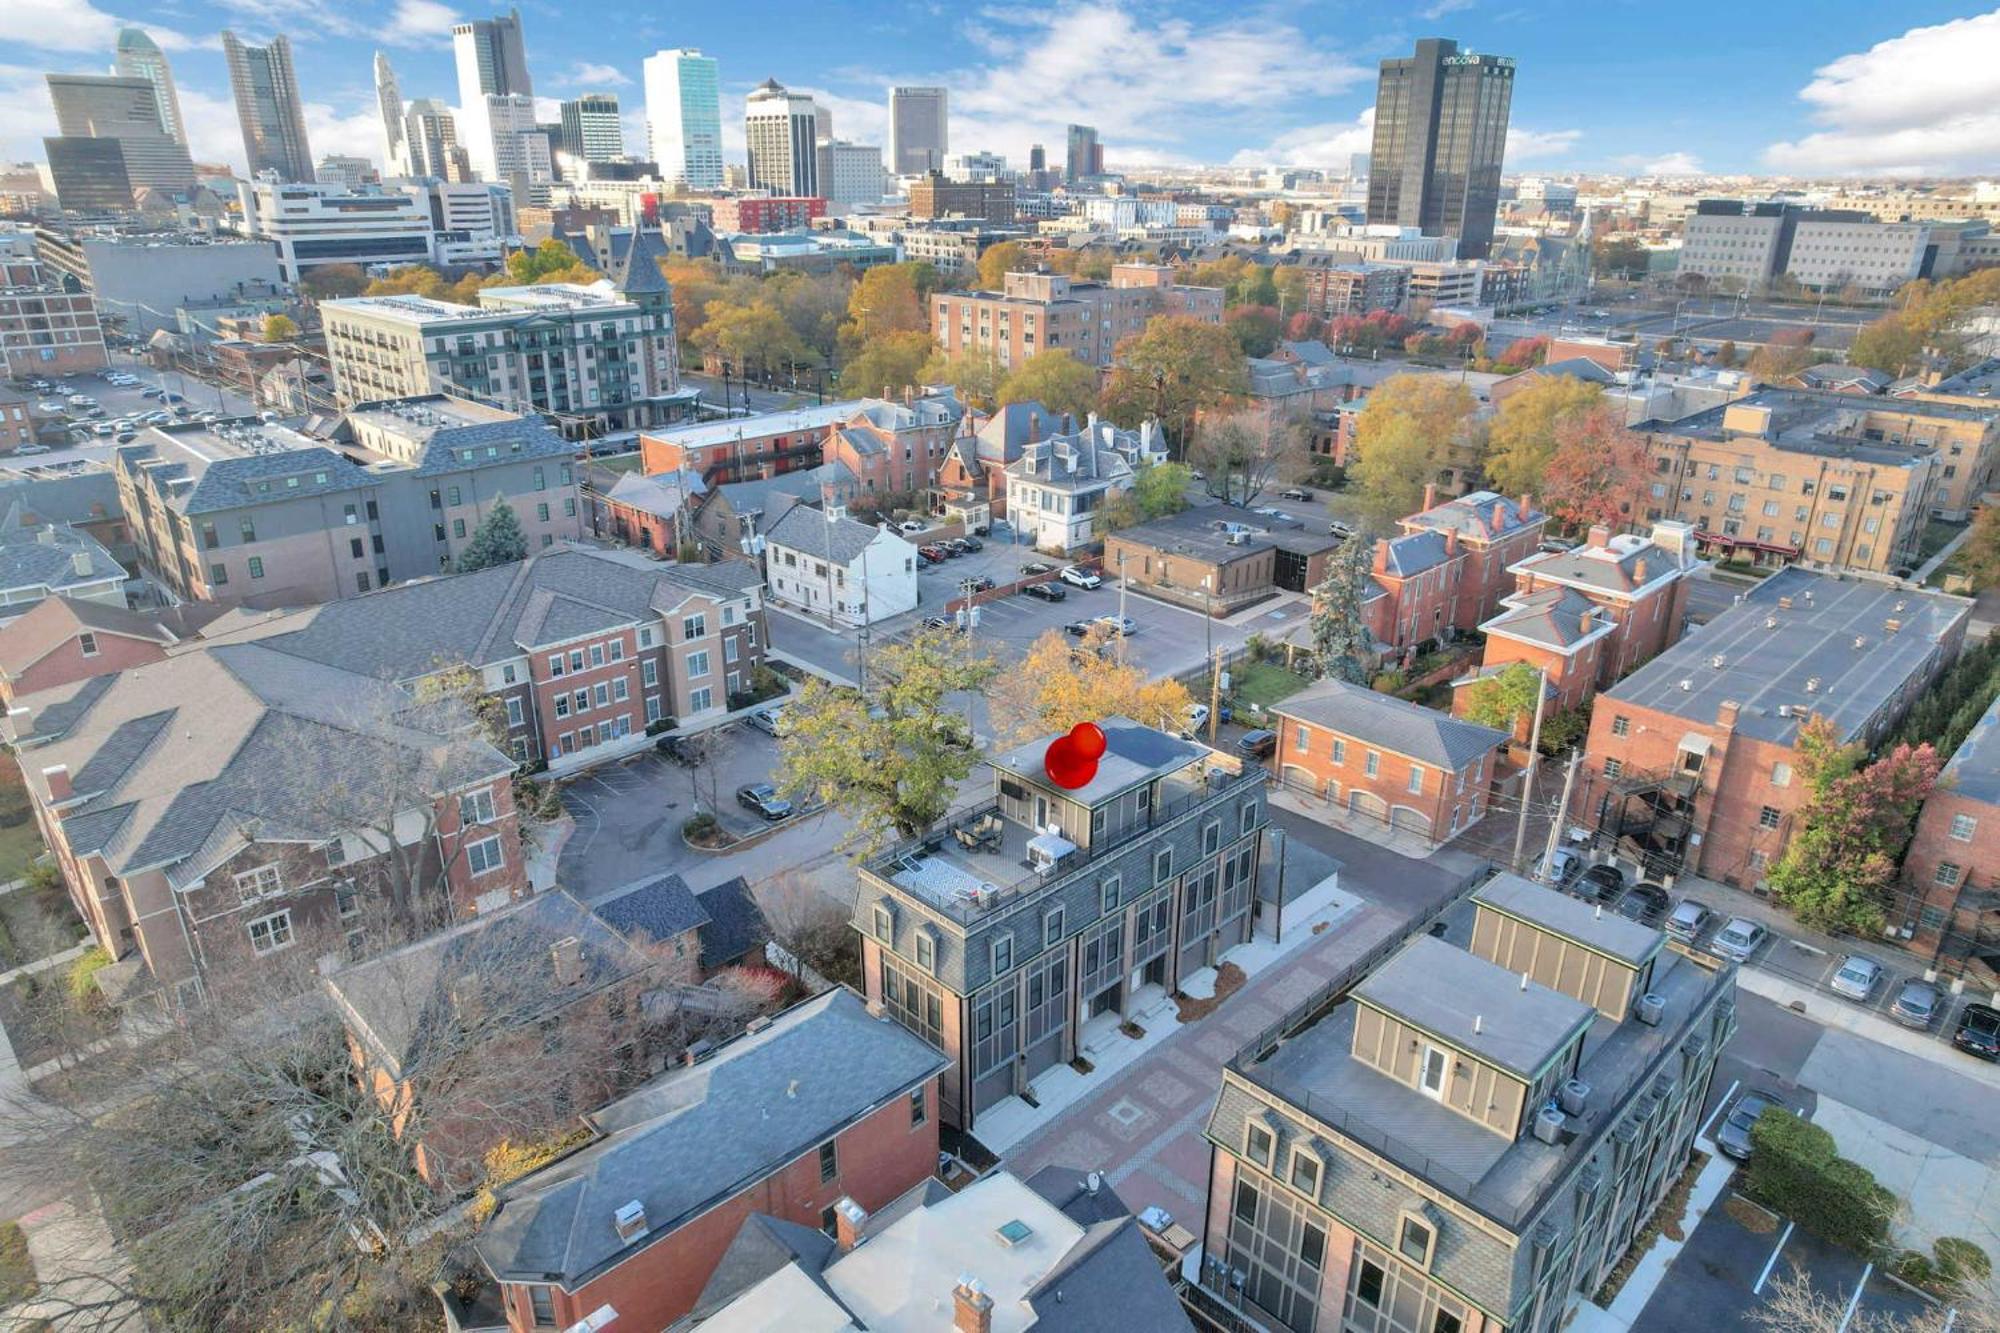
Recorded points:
(1695, 743)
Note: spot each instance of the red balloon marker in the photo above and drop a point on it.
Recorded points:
(1071, 759)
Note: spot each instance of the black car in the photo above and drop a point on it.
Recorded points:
(764, 799)
(953, 547)
(1978, 1031)
(1645, 903)
(1601, 883)
(1048, 592)
(1257, 744)
(1079, 628)
(1034, 567)
(971, 543)
(936, 622)
(679, 749)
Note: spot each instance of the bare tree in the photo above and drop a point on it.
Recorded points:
(254, 1181)
(1793, 1305)
(811, 927)
(1245, 454)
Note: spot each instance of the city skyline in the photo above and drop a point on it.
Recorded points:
(1870, 93)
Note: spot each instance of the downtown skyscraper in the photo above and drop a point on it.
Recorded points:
(684, 111)
(496, 101)
(395, 135)
(591, 129)
(139, 57)
(781, 137)
(268, 107)
(919, 130)
(1440, 134)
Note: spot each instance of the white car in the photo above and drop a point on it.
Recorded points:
(1079, 577)
(910, 525)
(1739, 939)
(1120, 626)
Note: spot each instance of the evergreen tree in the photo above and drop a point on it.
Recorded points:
(496, 541)
(1339, 631)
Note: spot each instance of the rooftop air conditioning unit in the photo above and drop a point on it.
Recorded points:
(630, 1219)
(1574, 1094)
(1549, 1124)
(1652, 1008)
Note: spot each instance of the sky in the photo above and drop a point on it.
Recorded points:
(1703, 86)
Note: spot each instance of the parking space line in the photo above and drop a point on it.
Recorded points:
(1734, 1084)
(1855, 1299)
(1771, 1262)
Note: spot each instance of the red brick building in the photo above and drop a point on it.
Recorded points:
(63, 639)
(821, 1103)
(1404, 765)
(743, 448)
(48, 322)
(1493, 534)
(767, 213)
(1692, 761)
(654, 513)
(1952, 869)
(1639, 585)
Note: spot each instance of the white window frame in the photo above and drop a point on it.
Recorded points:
(698, 664)
(1443, 1060)
(475, 807)
(259, 882)
(276, 924)
(473, 854)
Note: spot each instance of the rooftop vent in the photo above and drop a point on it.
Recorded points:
(1687, 682)
(1812, 684)
(1717, 662)
(1575, 1095)
(1891, 625)
(1549, 1124)
(1770, 622)
(1014, 1233)
(1784, 603)
(630, 1219)
(1652, 1008)
(1860, 642)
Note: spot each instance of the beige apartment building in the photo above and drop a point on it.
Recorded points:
(1036, 311)
(1820, 478)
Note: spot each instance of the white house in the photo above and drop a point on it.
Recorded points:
(1057, 484)
(831, 565)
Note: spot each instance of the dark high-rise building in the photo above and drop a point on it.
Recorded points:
(1440, 134)
(1038, 158)
(268, 108)
(1086, 155)
(88, 174)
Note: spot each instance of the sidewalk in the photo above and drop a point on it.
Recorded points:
(1651, 1269)
(74, 1254)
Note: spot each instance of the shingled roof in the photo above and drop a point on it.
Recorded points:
(840, 540)
(1424, 734)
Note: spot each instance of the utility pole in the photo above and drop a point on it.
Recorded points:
(1121, 606)
(1214, 693)
(1534, 754)
(1562, 809)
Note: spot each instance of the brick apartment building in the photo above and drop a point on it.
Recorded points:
(744, 448)
(1493, 534)
(767, 213)
(935, 195)
(1401, 764)
(48, 322)
(490, 994)
(582, 650)
(1219, 558)
(1822, 479)
(1469, 1137)
(257, 513)
(1036, 311)
(896, 448)
(1355, 289)
(654, 513)
(822, 1103)
(219, 814)
(1691, 761)
(1009, 971)
(17, 421)
(1590, 615)
(1952, 867)
(62, 640)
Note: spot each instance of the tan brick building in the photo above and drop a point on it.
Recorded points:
(1036, 311)
(1404, 765)
(1691, 761)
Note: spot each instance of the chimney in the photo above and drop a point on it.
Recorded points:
(1451, 541)
(1381, 562)
(1725, 714)
(1430, 496)
(1600, 535)
(56, 776)
(80, 562)
(1499, 516)
(1526, 507)
(630, 1221)
(566, 956)
(1639, 570)
(848, 1219)
(46, 536)
(971, 1307)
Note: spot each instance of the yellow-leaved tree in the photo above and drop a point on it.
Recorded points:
(1057, 686)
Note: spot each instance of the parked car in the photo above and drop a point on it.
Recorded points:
(1916, 1004)
(1194, 721)
(1079, 577)
(1603, 883)
(1857, 977)
(679, 749)
(936, 622)
(980, 583)
(768, 720)
(1560, 867)
(1269, 511)
(1048, 592)
(1123, 627)
(971, 543)
(1257, 744)
(1646, 903)
(937, 555)
(909, 525)
(1739, 939)
(1978, 1031)
(150, 393)
(1295, 493)
(1034, 567)
(31, 449)
(1688, 919)
(1733, 1135)
(1340, 530)
(953, 547)
(125, 437)
(764, 799)
(1079, 628)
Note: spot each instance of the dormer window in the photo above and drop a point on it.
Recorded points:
(1416, 1239)
(1259, 1144)
(885, 923)
(1305, 1172)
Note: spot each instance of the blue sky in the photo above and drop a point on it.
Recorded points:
(1808, 89)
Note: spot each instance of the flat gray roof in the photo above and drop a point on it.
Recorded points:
(1605, 932)
(1132, 754)
(1973, 770)
(1478, 1006)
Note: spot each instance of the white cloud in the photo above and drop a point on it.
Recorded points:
(1673, 164)
(1443, 7)
(420, 23)
(1525, 144)
(587, 74)
(354, 130)
(78, 25)
(1927, 102)
(1326, 146)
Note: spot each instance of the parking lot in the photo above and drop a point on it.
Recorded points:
(1727, 1267)
(120, 402)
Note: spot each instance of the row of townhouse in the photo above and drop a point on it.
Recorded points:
(263, 514)
(1448, 568)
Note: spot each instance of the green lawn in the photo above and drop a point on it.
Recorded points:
(19, 844)
(17, 1270)
(1937, 534)
(1263, 684)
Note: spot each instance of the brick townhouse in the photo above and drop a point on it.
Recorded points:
(445, 1014)
(1589, 616)
(65, 639)
(819, 1104)
(744, 448)
(224, 812)
(582, 649)
(1399, 763)
(1472, 1135)
(896, 448)
(734, 517)
(1031, 925)
(1952, 869)
(1493, 534)
(86, 500)
(1692, 762)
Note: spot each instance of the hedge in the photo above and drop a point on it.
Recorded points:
(1795, 1170)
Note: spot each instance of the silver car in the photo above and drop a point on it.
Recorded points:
(1857, 977)
(1688, 919)
(1739, 939)
(1916, 1004)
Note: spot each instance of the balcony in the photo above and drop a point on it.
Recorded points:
(981, 862)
